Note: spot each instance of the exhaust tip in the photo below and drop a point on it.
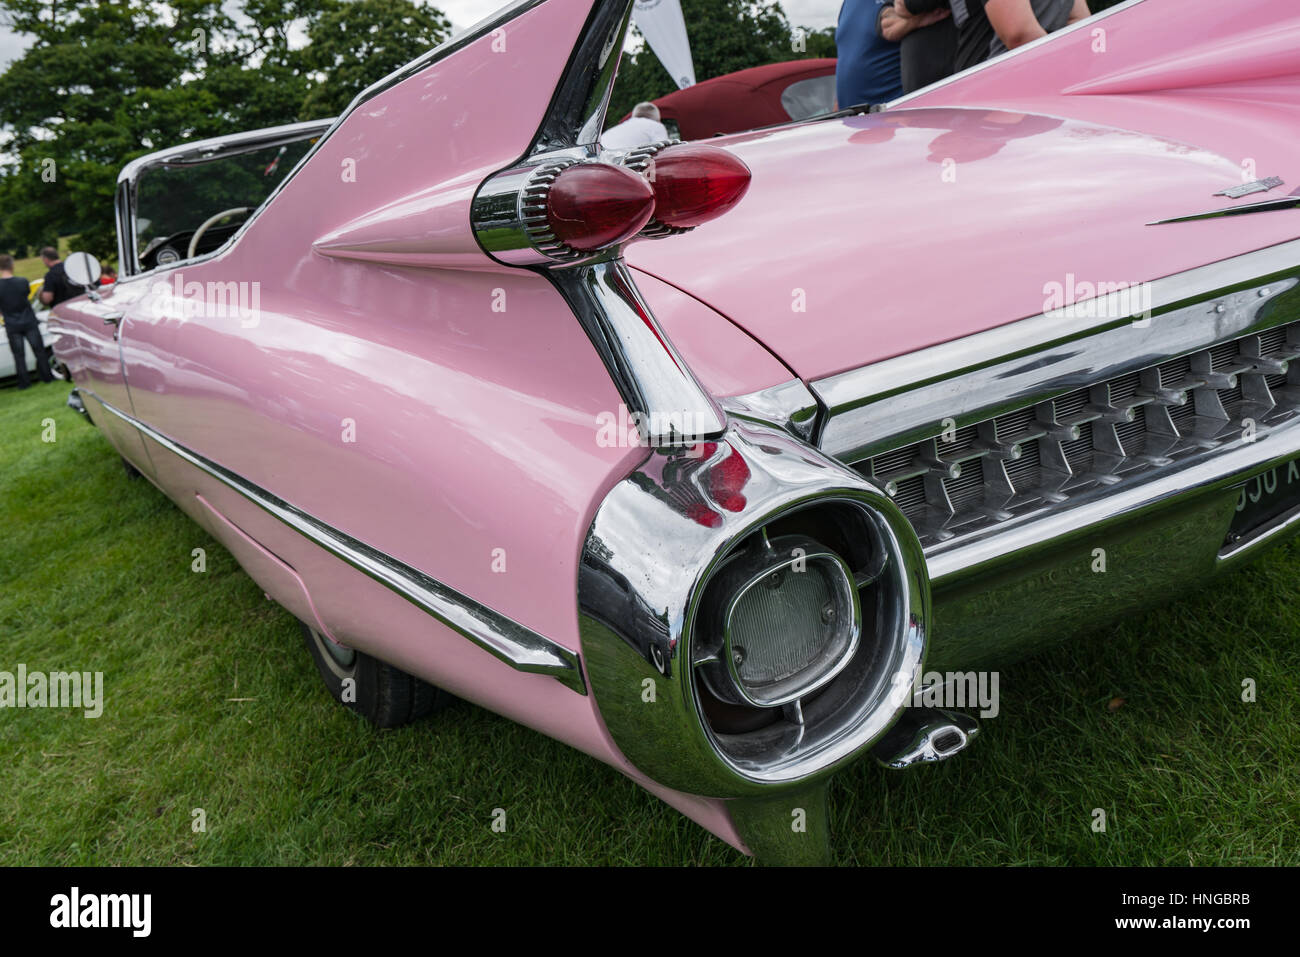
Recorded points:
(924, 737)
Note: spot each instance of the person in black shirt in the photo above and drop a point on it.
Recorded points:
(987, 28)
(56, 287)
(20, 324)
(928, 53)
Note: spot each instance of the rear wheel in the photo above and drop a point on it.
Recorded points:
(385, 696)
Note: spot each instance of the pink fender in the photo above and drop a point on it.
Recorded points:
(408, 391)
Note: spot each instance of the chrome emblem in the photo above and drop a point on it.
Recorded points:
(1245, 189)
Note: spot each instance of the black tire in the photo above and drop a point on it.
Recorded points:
(131, 471)
(385, 696)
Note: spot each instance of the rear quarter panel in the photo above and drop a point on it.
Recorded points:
(447, 417)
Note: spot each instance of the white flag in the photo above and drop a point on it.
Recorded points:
(664, 29)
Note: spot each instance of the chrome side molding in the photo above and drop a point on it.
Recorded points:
(515, 644)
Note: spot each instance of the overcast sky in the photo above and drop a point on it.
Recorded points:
(463, 13)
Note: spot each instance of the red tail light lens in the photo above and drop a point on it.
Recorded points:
(694, 184)
(594, 205)
(727, 479)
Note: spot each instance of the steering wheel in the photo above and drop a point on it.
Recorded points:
(210, 222)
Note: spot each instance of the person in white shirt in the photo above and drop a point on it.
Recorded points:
(641, 128)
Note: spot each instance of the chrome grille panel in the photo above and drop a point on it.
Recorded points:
(972, 478)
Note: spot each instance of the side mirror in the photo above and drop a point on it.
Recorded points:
(82, 269)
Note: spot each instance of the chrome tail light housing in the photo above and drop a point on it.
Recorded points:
(774, 631)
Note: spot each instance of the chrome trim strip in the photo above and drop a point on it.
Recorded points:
(1263, 206)
(667, 402)
(1089, 21)
(518, 646)
(882, 405)
(1014, 539)
(789, 406)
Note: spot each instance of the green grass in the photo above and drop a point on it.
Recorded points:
(213, 703)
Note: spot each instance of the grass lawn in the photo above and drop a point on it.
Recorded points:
(213, 703)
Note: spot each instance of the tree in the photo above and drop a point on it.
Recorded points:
(353, 44)
(104, 82)
(820, 43)
(725, 35)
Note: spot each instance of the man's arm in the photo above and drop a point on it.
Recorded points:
(46, 297)
(898, 21)
(893, 24)
(1079, 11)
(1014, 22)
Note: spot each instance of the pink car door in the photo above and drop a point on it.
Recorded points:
(90, 332)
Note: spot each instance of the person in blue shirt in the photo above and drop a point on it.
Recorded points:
(867, 37)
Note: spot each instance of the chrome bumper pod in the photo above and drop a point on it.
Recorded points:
(650, 555)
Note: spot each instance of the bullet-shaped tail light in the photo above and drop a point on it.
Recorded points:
(591, 206)
(694, 184)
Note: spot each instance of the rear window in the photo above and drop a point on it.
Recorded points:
(174, 200)
(810, 97)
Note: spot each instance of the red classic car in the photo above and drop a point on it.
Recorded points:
(707, 459)
(747, 99)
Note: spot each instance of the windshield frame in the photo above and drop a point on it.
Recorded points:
(193, 154)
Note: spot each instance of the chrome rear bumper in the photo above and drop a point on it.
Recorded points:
(1073, 571)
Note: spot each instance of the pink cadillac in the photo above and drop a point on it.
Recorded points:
(699, 457)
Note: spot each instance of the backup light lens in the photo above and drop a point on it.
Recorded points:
(789, 619)
(594, 205)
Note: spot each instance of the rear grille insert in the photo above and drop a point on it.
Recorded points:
(987, 472)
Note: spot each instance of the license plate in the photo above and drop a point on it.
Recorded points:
(1264, 499)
